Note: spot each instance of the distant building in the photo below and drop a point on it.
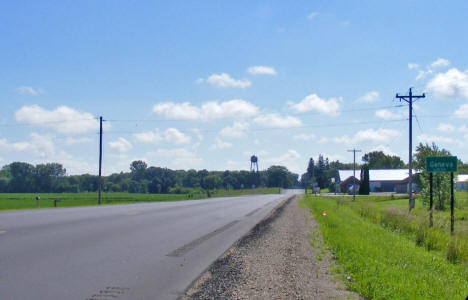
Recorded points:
(345, 180)
(461, 182)
(381, 180)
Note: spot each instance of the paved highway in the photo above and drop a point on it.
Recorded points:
(138, 251)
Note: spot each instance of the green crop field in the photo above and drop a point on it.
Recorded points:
(392, 254)
(28, 201)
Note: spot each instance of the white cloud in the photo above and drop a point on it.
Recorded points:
(38, 145)
(179, 158)
(388, 115)
(445, 127)
(74, 165)
(121, 145)
(27, 90)
(312, 15)
(422, 74)
(148, 136)
(257, 153)
(412, 66)
(384, 149)
(441, 62)
(219, 144)
(304, 137)
(371, 135)
(423, 138)
(313, 102)
(73, 141)
(323, 140)
(261, 70)
(174, 136)
(236, 108)
(379, 135)
(463, 128)
(462, 111)
(224, 80)
(63, 119)
(198, 133)
(277, 121)
(232, 165)
(177, 111)
(331, 157)
(290, 160)
(452, 84)
(119, 156)
(237, 130)
(369, 97)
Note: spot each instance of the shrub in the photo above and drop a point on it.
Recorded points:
(454, 250)
(435, 239)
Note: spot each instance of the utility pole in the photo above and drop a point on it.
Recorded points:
(100, 160)
(354, 172)
(409, 99)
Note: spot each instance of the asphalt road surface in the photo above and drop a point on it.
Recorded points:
(138, 251)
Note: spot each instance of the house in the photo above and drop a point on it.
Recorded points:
(345, 180)
(461, 182)
(380, 180)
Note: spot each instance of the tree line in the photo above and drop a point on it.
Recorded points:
(21, 177)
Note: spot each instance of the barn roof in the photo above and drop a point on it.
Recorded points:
(345, 174)
(389, 174)
(462, 178)
(378, 174)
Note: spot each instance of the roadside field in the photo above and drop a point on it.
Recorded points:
(390, 254)
(28, 201)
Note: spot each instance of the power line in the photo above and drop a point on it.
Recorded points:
(281, 128)
(47, 122)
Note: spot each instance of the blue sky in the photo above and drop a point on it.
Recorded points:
(205, 84)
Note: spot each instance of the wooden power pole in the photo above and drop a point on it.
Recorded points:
(409, 99)
(354, 172)
(100, 160)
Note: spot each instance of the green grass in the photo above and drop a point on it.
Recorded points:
(27, 201)
(384, 263)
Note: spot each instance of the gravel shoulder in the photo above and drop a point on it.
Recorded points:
(276, 260)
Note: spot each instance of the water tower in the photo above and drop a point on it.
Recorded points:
(253, 163)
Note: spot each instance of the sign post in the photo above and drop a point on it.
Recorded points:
(443, 164)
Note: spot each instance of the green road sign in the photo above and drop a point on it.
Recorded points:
(439, 164)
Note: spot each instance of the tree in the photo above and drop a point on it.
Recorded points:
(440, 182)
(364, 188)
(279, 176)
(320, 172)
(191, 179)
(311, 168)
(380, 160)
(48, 176)
(137, 168)
(22, 175)
(210, 182)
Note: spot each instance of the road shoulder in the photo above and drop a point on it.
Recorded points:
(275, 260)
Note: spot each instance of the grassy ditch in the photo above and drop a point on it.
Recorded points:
(28, 201)
(383, 259)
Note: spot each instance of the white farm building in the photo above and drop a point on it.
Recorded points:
(380, 180)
